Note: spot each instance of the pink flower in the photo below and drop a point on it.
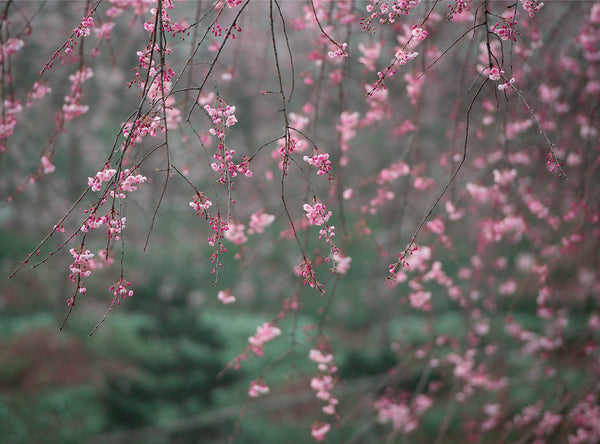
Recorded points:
(419, 33)
(257, 389)
(235, 233)
(226, 297)
(47, 165)
(264, 334)
(10, 47)
(200, 204)
(532, 6)
(420, 299)
(319, 430)
(120, 290)
(317, 214)
(402, 57)
(453, 213)
(83, 263)
(104, 31)
(338, 52)
(258, 222)
(320, 161)
(322, 386)
(508, 288)
(322, 360)
(370, 55)
(38, 91)
(479, 193)
(504, 177)
(342, 263)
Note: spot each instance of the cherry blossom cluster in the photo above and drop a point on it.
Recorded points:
(418, 32)
(384, 12)
(201, 204)
(259, 221)
(236, 230)
(401, 412)
(112, 220)
(320, 161)
(95, 183)
(257, 388)
(137, 130)
(396, 267)
(505, 29)
(309, 276)
(507, 84)
(285, 147)
(226, 167)
(370, 54)
(319, 430)
(264, 333)
(322, 385)
(223, 117)
(473, 376)
(458, 8)
(84, 28)
(586, 418)
(403, 53)
(339, 52)
(496, 73)
(82, 266)
(104, 31)
(10, 47)
(532, 342)
(219, 226)
(157, 90)
(401, 57)
(121, 290)
(418, 271)
(38, 91)
(235, 233)
(341, 263)
(532, 6)
(73, 107)
(548, 422)
(47, 165)
(317, 214)
(7, 126)
(230, 3)
(167, 24)
(226, 297)
(347, 129)
(127, 181)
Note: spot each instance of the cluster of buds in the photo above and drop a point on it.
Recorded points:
(201, 204)
(309, 277)
(121, 291)
(85, 27)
